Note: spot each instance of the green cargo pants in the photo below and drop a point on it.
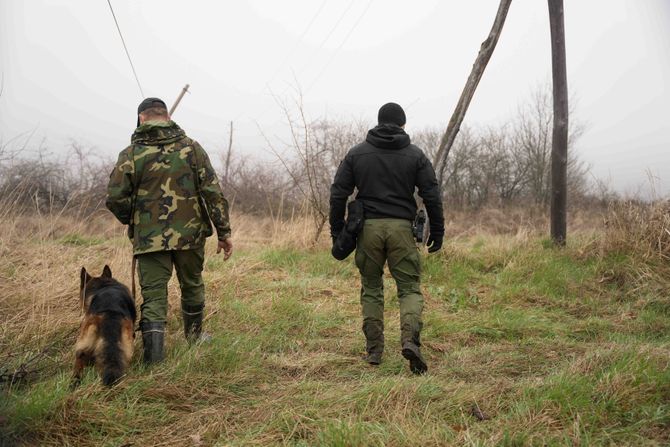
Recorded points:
(155, 270)
(389, 240)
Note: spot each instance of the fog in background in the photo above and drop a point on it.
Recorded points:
(66, 77)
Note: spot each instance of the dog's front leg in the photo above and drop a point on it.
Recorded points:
(81, 359)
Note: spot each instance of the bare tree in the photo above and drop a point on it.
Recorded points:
(507, 163)
(312, 156)
(305, 164)
(532, 130)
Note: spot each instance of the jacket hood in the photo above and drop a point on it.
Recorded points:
(388, 136)
(153, 133)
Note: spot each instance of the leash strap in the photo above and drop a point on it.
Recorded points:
(83, 298)
(133, 267)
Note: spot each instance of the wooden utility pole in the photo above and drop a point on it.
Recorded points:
(559, 147)
(485, 52)
(226, 171)
(178, 100)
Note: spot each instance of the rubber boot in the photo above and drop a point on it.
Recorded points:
(192, 316)
(153, 336)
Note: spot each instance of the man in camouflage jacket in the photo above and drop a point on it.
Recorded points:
(164, 188)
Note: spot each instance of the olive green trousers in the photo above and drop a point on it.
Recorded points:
(392, 241)
(155, 270)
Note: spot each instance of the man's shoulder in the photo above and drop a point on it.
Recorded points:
(411, 150)
(127, 151)
(188, 140)
(415, 150)
(361, 148)
(140, 147)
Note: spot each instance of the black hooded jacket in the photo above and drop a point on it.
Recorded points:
(385, 169)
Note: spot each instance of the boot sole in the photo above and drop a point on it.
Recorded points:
(416, 364)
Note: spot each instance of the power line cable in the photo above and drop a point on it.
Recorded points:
(337, 50)
(330, 33)
(125, 47)
(298, 41)
(266, 85)
(318, 49)
(309, 60)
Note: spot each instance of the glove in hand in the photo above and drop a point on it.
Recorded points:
(434, 243)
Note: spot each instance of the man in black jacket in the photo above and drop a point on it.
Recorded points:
(386, 168)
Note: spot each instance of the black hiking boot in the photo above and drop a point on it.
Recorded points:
(373, 358)
(374, 341)
(416, 362)
(153, 336)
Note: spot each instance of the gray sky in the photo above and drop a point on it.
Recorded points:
(66, 75)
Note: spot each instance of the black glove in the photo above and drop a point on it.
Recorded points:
(434, 242)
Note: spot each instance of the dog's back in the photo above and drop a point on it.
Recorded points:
(106, 333)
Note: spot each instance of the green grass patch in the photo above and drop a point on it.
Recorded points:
(78, 240)
(554, 346)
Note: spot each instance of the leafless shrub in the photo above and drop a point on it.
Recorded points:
(75, 182)
(509, 164)
(311, 158)
(258, 187)
(498, 166)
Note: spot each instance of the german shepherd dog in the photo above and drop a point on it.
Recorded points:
(106, 332)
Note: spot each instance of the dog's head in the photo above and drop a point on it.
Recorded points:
(88, 284)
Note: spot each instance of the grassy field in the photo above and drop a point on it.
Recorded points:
(526, 345)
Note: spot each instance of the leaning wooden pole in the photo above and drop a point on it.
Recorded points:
(178, 100)
(485, 52)
(559, 148)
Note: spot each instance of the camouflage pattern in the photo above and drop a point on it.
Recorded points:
(155, 270)
(154, 190)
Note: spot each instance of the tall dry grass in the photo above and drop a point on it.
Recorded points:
(41, 253)
(511, 325)
(641, 228)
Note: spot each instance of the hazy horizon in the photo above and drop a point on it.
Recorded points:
(65, 74)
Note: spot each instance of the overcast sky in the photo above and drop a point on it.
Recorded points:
(65, 72)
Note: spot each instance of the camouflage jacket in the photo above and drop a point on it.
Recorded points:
(154, 190)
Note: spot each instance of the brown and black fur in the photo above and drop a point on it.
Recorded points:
(106, 332)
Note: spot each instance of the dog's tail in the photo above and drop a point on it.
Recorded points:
(112, 356)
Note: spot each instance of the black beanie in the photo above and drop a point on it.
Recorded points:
(148, 104)
(391, 113)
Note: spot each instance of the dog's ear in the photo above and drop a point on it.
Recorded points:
(106, 272)
(84, 278)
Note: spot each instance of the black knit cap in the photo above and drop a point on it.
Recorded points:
(391, 113)
(148, 104)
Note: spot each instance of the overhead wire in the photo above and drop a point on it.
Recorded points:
(125, 47)
(266, 85)
(337, 50)
(330, 33)
(311, 57)
(298, 41)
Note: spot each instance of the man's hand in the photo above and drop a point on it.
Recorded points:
(434, 243)
(227, 246)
